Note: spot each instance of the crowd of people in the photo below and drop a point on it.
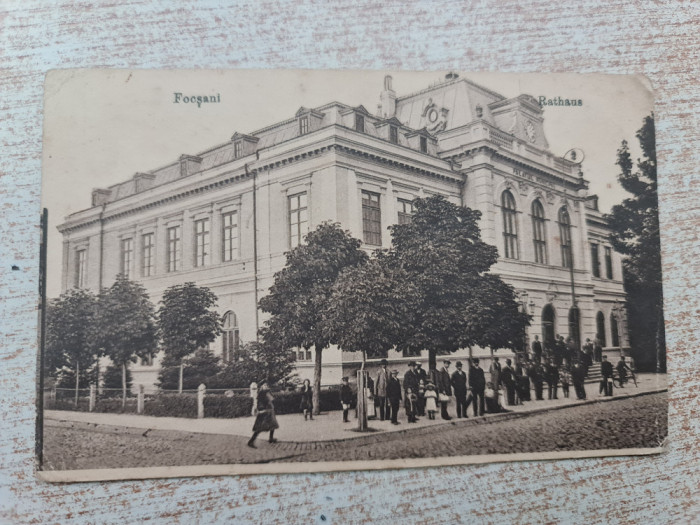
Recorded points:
(560, 365)
(429, 393)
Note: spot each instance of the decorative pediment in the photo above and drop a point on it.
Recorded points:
(393, 121)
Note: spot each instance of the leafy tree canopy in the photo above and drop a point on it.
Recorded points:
(459, 303)
(370, 306)
(636, 234)
(69, 329)
(302, 289)
(125, 327)
(187, 320)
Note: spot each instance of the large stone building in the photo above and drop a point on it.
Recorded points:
(225, 217)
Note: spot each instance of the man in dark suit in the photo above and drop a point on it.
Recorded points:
(444, 387)
(536, 373)
(536, 349)
(477, 382)
(459, 384)
(508, 381)
(380, 390)
(393, 394)
(410, 378)
(552, 377)
(422, 375)
(606, 369)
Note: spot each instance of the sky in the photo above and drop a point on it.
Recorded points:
(102, 126)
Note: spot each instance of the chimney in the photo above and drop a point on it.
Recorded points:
(388, 99)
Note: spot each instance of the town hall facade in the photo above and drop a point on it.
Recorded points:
(225, 217)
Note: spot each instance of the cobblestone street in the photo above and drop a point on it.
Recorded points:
(621, 423)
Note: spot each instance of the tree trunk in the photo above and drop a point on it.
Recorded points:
(77, 381)
(361, 399)
(432, 359)
(317, 381)
(179, 383)
(123, 386)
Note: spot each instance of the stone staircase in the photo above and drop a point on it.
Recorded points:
(594, 375)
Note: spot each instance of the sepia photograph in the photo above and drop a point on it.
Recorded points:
(276, 271)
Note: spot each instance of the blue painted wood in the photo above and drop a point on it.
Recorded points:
(658, 40)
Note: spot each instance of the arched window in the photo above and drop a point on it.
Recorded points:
(510, 229)
(565, 238)
(548, 326)
(230, 337)
(600, 328)
(614, 331)
(538, 233)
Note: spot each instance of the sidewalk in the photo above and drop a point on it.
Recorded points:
(329, 426)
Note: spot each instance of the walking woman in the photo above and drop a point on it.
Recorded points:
(307, 400)
(265, 419)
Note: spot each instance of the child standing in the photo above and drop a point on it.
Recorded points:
(410, 404)
(345, 398)
(430, 400)
(565, 378)
(420, 402)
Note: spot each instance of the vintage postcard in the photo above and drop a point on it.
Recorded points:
(295, 271)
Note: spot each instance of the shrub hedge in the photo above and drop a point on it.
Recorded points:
(229, 406)
(171, 405)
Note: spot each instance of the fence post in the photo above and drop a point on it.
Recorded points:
(201, 390)
(254, 395)
(93, 397)
(52, 395)
(139, 400)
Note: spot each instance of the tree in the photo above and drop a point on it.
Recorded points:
(302, 290)
(112, 378)
(125, 325)
(260, 362)
(635, 225)
(187, 322)
(458, 303)
(369, 308)
(69, 340)
(202, 368)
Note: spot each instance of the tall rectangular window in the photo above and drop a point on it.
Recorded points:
(147, 255)
(127, 252)
(595, 260)
(237, 149)
(371, 218)
(608, 262)
(393, 134)
(298, 218)
(405, 211)
(424, 144)
(173, 251)
(359, 123)
(510, 228)
(303, 125)
(229, 235)
(80, 267)
(201, 242)
(539, 238)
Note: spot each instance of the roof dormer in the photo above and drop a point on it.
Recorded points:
(189, 164)
(308, 120)
(243, 145)
(390, 130)
(421, 140)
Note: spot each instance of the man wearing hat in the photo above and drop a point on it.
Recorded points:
(444, 388)
(410, 378)
(477, 382)
(459, 384)
(393, 394)
(380, 390)
(345, 398)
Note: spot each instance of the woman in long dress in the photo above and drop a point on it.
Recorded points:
(265, 419)
(307, 400)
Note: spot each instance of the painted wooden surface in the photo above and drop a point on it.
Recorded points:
(654, 38)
